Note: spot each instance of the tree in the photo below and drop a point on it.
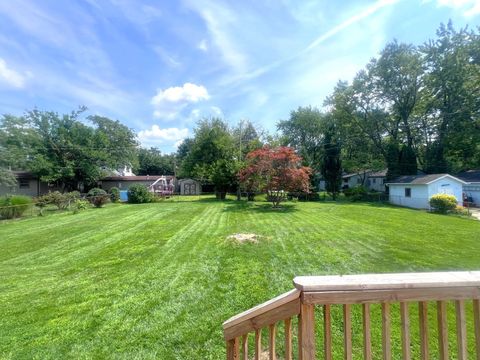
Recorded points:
(153, 162)
(275, 171)
(332, 166)
(211, 156)
(304, 131)
(7, 178)
(62, 149)
(452, 99)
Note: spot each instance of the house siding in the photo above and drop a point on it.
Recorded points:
(418, 199)
(32, 189)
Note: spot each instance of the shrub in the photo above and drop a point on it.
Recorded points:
(139, 194)
(442, 203)
(13, 206)
(460, 210)
(80, 204)
(98, 197)
(356, 193)
(114, 194)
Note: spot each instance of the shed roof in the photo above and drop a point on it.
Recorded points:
(421, 179)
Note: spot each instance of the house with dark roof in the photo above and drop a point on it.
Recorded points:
(471, 189)
(415, 191)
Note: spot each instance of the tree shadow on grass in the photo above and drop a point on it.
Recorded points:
(244, 206)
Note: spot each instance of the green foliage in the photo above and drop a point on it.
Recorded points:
(210, 156)
(356, 193)
(80, 204)
(139, 194)
(7, 179)
(443, 203)
(153, 162)
(98, 197)
(114, 194)
(13, 206)
(62, 149)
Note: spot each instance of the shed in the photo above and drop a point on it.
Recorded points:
(415, 191)
(471, 189)
(189, 187)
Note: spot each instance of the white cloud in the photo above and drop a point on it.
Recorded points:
(156, 136)
(169, 102)
(10, 76)
(203, 45)
(469, 7)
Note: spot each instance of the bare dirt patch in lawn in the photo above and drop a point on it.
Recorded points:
(241, 238)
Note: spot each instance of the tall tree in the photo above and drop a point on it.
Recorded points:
(452, 97)
(153, 162)
(211, 156)
(332, 166)
(304, 131)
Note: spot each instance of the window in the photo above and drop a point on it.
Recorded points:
(384, 181)
(23, 183)
(408, 192)
(374, 181)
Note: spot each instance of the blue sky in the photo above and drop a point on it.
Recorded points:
(159, 66)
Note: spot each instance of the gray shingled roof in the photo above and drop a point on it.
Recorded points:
(416, 179)
(470, 176)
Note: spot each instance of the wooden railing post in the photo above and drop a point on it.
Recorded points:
(233, 349)
(306, 327)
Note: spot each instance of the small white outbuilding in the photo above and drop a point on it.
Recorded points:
(415, 191)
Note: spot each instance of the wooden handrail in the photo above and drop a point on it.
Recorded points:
(423, 280)
(347, 290)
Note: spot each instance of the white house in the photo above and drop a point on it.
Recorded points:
(415, 190)
(471, 189)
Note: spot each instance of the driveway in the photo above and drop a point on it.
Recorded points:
(475, 213)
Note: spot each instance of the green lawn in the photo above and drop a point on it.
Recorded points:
(157, 280)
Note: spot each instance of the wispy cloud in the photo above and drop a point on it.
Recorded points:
(219, 20)
(469, 8)
(10, 76)
(370, 10)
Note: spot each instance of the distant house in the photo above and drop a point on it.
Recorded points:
(415, 190)
(471, 189)
(354, 179)
(376, 180)
(28, 184)
(189, 187)
(372, 180)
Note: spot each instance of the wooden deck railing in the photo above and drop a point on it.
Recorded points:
(325, 292)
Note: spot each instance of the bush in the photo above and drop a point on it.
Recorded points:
(356, 193)
(443, 203)
(114, 194)
(60, 200)
(139, 194)
(98, 197)
(13, 206)
(80, 204)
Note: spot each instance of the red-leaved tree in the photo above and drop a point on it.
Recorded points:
(276, 171)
